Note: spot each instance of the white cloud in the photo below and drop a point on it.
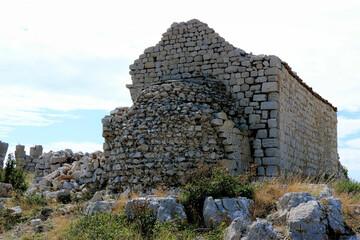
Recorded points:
(4, 131)
(354, 143)
(74, 146)
(350, 158)
(348, 126)
(27, 106)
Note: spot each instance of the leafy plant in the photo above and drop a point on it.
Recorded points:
(99, 226)
(7, 220)
(348, 186)
(143, 217)
(15, 176)
(217, 182)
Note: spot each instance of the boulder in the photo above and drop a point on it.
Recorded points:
(6, 190)
(98, 196)
(306, 217)
(92, 207)
(288, 201)
(261, 229)
(45, 213)
(60, 195)
(35, 222)
(15, 210)
(334, 215)
(58, 157)
(236, 230)
(307, 221)
(165, 209)
(216, 211)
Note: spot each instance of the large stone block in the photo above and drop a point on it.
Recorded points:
(268, 87)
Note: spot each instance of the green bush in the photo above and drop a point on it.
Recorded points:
(217, 182)
(143, 218)
(100, 226)
(15, 176)
(7, 220)
(348, 186)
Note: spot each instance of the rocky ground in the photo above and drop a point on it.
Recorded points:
(298, 215)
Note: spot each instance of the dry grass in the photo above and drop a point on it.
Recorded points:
(121, 201)
(60, 225)
(269, 192)
(351, 218)
(29, 177)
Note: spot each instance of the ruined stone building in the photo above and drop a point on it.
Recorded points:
(3, 150)
(27, 162)
(197, 98)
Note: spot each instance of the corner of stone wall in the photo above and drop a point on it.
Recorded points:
(257, 94)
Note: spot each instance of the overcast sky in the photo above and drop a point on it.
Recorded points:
(64, 64)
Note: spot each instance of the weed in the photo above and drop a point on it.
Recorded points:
(143, 218)
(100, 226)
(15, 176)
(348, 186)
(217, 182)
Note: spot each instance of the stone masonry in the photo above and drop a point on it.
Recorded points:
(3, 150)
(27, 162)
(197, 98)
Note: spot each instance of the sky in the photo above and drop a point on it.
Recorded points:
(64, 64)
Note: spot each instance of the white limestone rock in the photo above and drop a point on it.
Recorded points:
(165, 209)
(218, 210)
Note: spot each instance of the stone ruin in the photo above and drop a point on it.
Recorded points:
(27, 162)
(3, 150)
(197, 99)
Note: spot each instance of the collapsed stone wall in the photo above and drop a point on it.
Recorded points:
(256, 97)
(3, 150)
(67, 170)
(172, 127)
(90, 166)
(308, 134)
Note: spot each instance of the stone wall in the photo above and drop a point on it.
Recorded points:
(3, 150)
(27, 162)
(192, 49)
(253, 94)
(173, 126)
(308, 135)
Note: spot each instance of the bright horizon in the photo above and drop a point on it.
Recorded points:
(64, 64)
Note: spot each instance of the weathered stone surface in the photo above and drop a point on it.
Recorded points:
(6, 190)
(35, 222)
(236, 230)
(92, 207)
(334, 215)
(15, 210)
(259, 230)
(3, 150)
(165, 209)
(307, 218)
(219, 210)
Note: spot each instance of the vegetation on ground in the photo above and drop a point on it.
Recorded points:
(15, 176)
(216, 181)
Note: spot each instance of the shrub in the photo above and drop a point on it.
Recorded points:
(348, 186)
(15, 176)
(7, 220)
(143, 218)
(217, 182)
(99, 226)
